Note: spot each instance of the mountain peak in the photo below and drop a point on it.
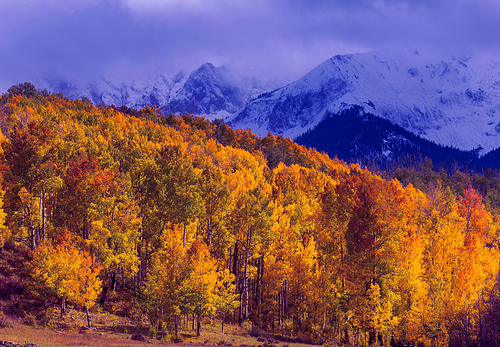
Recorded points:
(452, 101)
(207, 66)
(208, 91)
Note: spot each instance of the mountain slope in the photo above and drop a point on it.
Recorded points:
(356, 136)
(207, 91)
(453, 103)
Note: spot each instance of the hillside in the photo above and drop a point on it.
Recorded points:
(438, 101)
(190, 219)
(356, 136)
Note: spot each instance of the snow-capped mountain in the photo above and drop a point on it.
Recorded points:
(213, 92)
(453, 102)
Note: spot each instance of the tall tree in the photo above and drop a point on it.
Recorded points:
(62, 271)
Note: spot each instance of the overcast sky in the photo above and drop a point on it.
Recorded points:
(85, 39)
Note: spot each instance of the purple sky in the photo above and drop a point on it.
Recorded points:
(85, 39)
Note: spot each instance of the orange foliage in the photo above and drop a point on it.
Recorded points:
(312, 246)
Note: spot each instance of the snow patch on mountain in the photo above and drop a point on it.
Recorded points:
(453, 102)
(209, 91)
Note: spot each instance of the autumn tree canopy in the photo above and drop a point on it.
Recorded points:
(196, 218)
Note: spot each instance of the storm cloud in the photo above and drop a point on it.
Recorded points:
(280, 39)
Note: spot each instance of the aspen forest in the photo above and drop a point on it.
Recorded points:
(197, 220)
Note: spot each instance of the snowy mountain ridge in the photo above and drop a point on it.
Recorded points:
(454, 102)
(209, 91)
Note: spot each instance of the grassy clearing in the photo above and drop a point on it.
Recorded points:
(63, 334)
(26, 321)
(73, 335)
(110, 331)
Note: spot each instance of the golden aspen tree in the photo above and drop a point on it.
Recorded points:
(215, 194)
(114, 230)
(296, 190)
(174, 186)
(98, 205)
(411, 281)
(66, 273)
(167, 271)
(382, 319)
(332, 219)
(477, 268)
(33, 176)
(226, 299)
(5, 233)
(443, 239)
(199, 286)
(251, 219)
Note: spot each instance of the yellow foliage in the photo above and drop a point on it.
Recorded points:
(65, 272)
(317, 247)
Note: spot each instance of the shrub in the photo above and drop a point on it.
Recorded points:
(30, 319)
(138, 337)
(152, 331)
(3, 320)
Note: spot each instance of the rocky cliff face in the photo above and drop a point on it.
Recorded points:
(207, 90)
